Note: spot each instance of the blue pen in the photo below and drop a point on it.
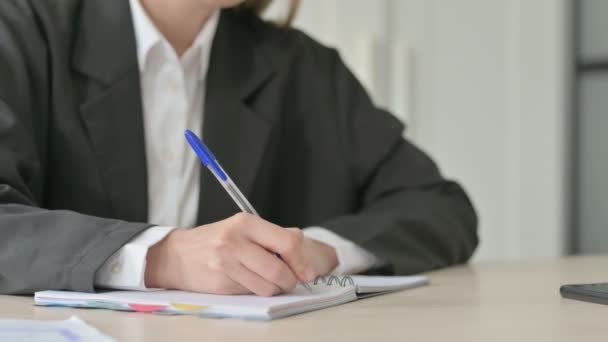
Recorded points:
(209, 161)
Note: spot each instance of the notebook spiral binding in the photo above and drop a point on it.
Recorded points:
(334, 280)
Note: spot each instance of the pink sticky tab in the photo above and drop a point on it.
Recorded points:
(146, 308)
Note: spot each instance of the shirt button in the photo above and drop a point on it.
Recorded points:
(115, 268)
(168, 157)
(174, 86)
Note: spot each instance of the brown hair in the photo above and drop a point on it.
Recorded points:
(259, 6)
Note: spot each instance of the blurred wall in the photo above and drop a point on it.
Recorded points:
(482, 87)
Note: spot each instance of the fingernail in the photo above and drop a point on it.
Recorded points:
(310, 274)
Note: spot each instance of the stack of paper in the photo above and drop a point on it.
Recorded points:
(323, 294)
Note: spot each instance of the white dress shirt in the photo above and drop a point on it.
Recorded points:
(173, 98)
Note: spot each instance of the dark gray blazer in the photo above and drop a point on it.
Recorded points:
(286, 118)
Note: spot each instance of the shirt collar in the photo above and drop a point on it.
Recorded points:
(147, 36)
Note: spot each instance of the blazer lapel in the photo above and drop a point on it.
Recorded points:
(235, 132)
(105, 52)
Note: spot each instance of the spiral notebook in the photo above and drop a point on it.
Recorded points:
(325, 292)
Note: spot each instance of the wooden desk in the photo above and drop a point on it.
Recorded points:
(506, 301)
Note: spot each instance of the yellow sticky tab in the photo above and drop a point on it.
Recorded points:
(188, 307)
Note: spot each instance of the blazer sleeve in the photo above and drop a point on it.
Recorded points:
(39, 249)
(408, 215)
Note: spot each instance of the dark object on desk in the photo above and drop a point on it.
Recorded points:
(594, 293)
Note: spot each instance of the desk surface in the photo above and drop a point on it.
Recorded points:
(503, 301)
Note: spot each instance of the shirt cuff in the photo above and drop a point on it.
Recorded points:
(352, 258)
(125, 269)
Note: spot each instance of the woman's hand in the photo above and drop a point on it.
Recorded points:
(236, 256)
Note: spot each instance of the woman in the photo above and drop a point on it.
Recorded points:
(96, 178)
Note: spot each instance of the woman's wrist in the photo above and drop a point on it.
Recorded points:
(158, 260)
